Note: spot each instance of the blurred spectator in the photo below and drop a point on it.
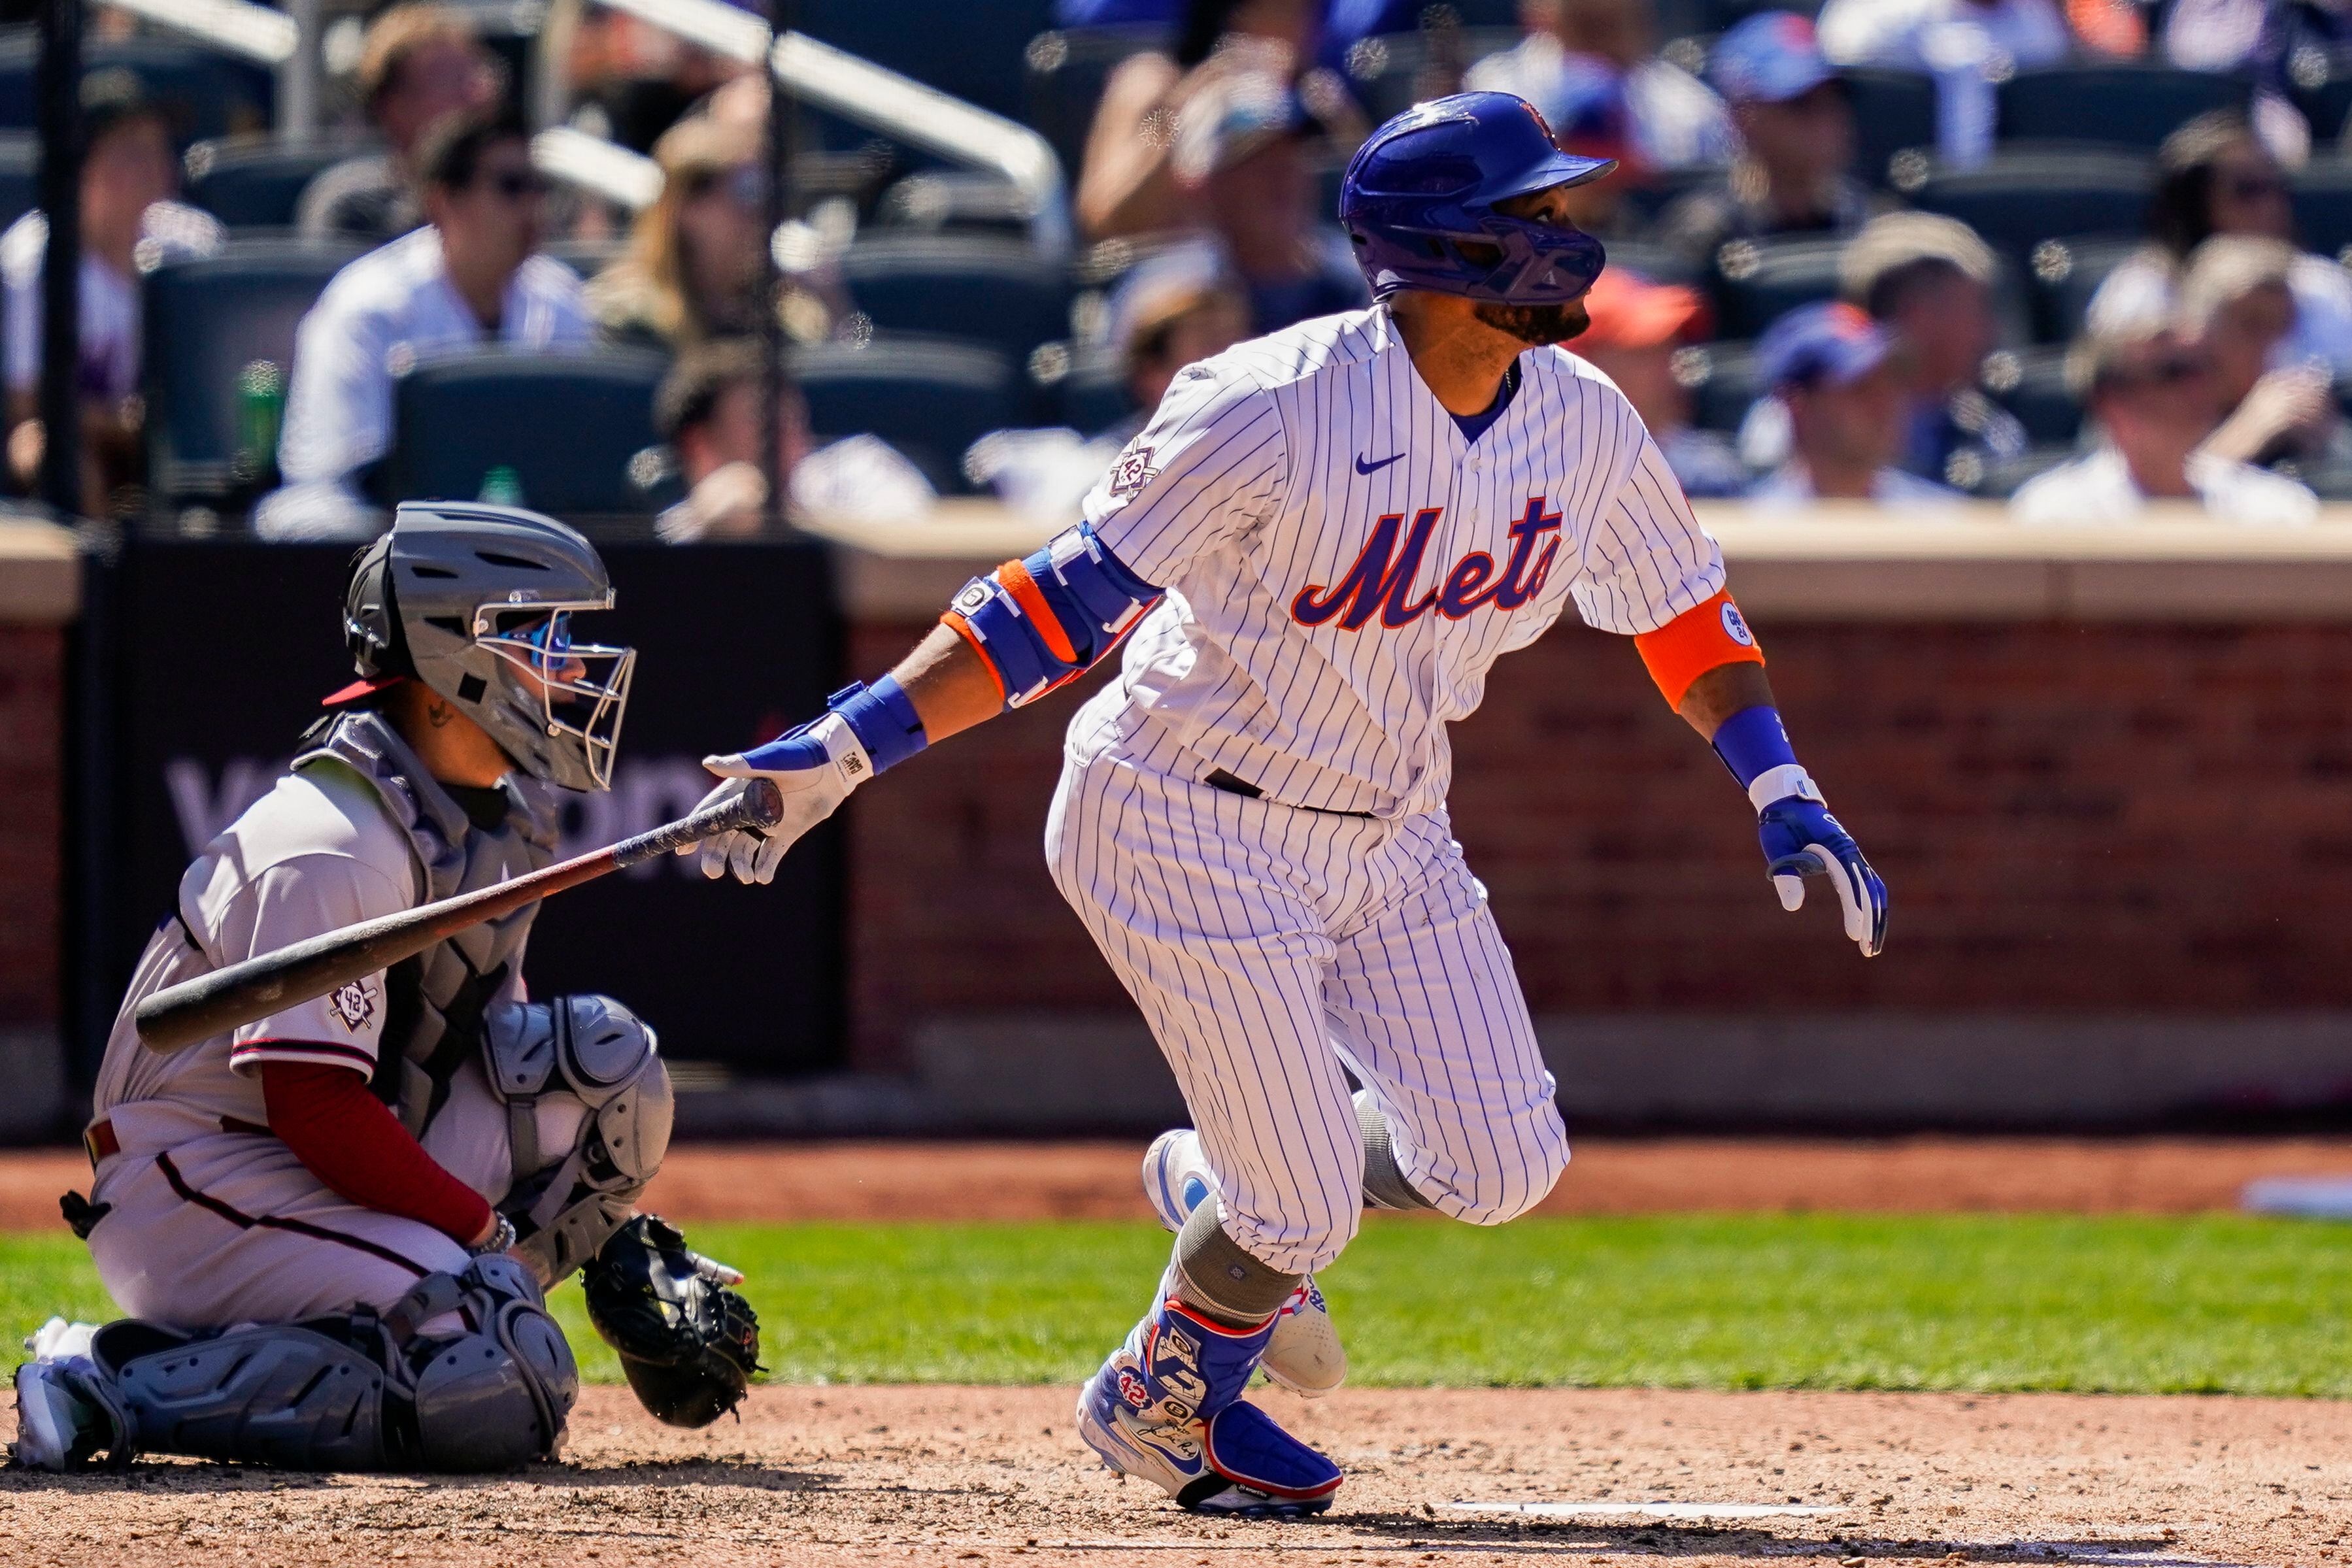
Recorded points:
(129, 173)
(2150, 390)
(1929, 35)
(2213, 177)
(1637, 326)
(2261, 38)
(1968, 45)
(1126, 182)
(709, 411)
(1834, 368)
(2234, 297)
(1173, 310)
(419, 63)
(693, 268)
(1929, 281)
(1580, 54)
(470, 277)
(1244, 150)
(1797, 137)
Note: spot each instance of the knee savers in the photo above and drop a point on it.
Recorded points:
(589, 1109)
(359, 1393)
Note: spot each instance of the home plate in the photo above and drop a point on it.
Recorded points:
(1647, 1509)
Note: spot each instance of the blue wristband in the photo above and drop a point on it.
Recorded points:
(1752, 743)
(883, 719)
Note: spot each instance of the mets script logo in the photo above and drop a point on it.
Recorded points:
(1381, 581)
(352, 1005)
(1132, 471)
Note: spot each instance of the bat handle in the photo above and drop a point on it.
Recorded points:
(758, 805)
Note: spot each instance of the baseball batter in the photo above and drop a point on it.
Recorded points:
(1320, 544)
(333, 1227)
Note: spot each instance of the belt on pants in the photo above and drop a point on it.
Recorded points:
(1221, 779)
(99, 1139)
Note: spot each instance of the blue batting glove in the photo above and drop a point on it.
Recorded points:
(1801, 839)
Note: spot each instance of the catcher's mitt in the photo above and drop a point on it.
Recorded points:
(689, 1345)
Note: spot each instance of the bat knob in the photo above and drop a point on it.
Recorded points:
(762, 804)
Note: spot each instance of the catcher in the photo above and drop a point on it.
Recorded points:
(334, 1227)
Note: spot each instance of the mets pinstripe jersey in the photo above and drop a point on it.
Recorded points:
(1343, 564)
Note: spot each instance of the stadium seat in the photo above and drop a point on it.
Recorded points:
(573, 429)
(1392, 72)
(2020, 199)
(1064, 71)
(1721, 379)
(980, 287)
(2032, 384)
(206, 319)
(1756, 282)
(20, 177)
(2118, 105)
(974, 52)
(962, 201)
(2323, 206)
(585, 257)
(2065, 274)
(256, 182)
(929, 398)
(210, 94)
(1093, 395)
(1894, 112)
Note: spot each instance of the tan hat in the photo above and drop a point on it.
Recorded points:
(1893, 241)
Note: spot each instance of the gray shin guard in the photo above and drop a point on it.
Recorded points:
(359, 1392)
(1385, 1183)
(1215, 1275)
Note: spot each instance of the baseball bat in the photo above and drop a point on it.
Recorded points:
(179, 1016)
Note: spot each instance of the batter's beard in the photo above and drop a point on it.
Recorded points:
(1536, 324)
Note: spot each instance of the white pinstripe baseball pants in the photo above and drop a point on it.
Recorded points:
(1269, 946)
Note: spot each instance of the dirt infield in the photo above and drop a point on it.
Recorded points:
(858, 1181)
(949, 1476)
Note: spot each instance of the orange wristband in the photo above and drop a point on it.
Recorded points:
(1705, 637)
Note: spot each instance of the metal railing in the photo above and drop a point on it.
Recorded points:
(599, 167)
(867, 94)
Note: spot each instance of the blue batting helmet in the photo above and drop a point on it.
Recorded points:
(1419, 203)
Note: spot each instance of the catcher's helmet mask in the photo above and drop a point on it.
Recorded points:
(475, 602)
(1420, 201)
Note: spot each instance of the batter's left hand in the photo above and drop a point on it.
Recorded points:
(1802, 839)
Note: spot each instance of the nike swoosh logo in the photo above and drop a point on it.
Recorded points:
(1364, 467)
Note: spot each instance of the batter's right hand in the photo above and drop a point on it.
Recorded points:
(815, 768)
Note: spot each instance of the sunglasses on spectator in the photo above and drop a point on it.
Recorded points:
(2166, 372)
(516, 184)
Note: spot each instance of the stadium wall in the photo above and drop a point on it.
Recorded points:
(2108, 778)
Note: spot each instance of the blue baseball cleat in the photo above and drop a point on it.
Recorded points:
(1305, 1354)
(1166, 1408)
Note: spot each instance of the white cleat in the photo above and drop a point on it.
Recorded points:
(1305, 1354)
(63, 1419)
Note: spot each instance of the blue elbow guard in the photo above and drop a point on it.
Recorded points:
(1045, 620)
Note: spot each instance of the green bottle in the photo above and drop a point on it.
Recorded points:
(501, 486)
(260, 411)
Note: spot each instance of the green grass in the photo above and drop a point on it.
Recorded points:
(2118, 1304)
